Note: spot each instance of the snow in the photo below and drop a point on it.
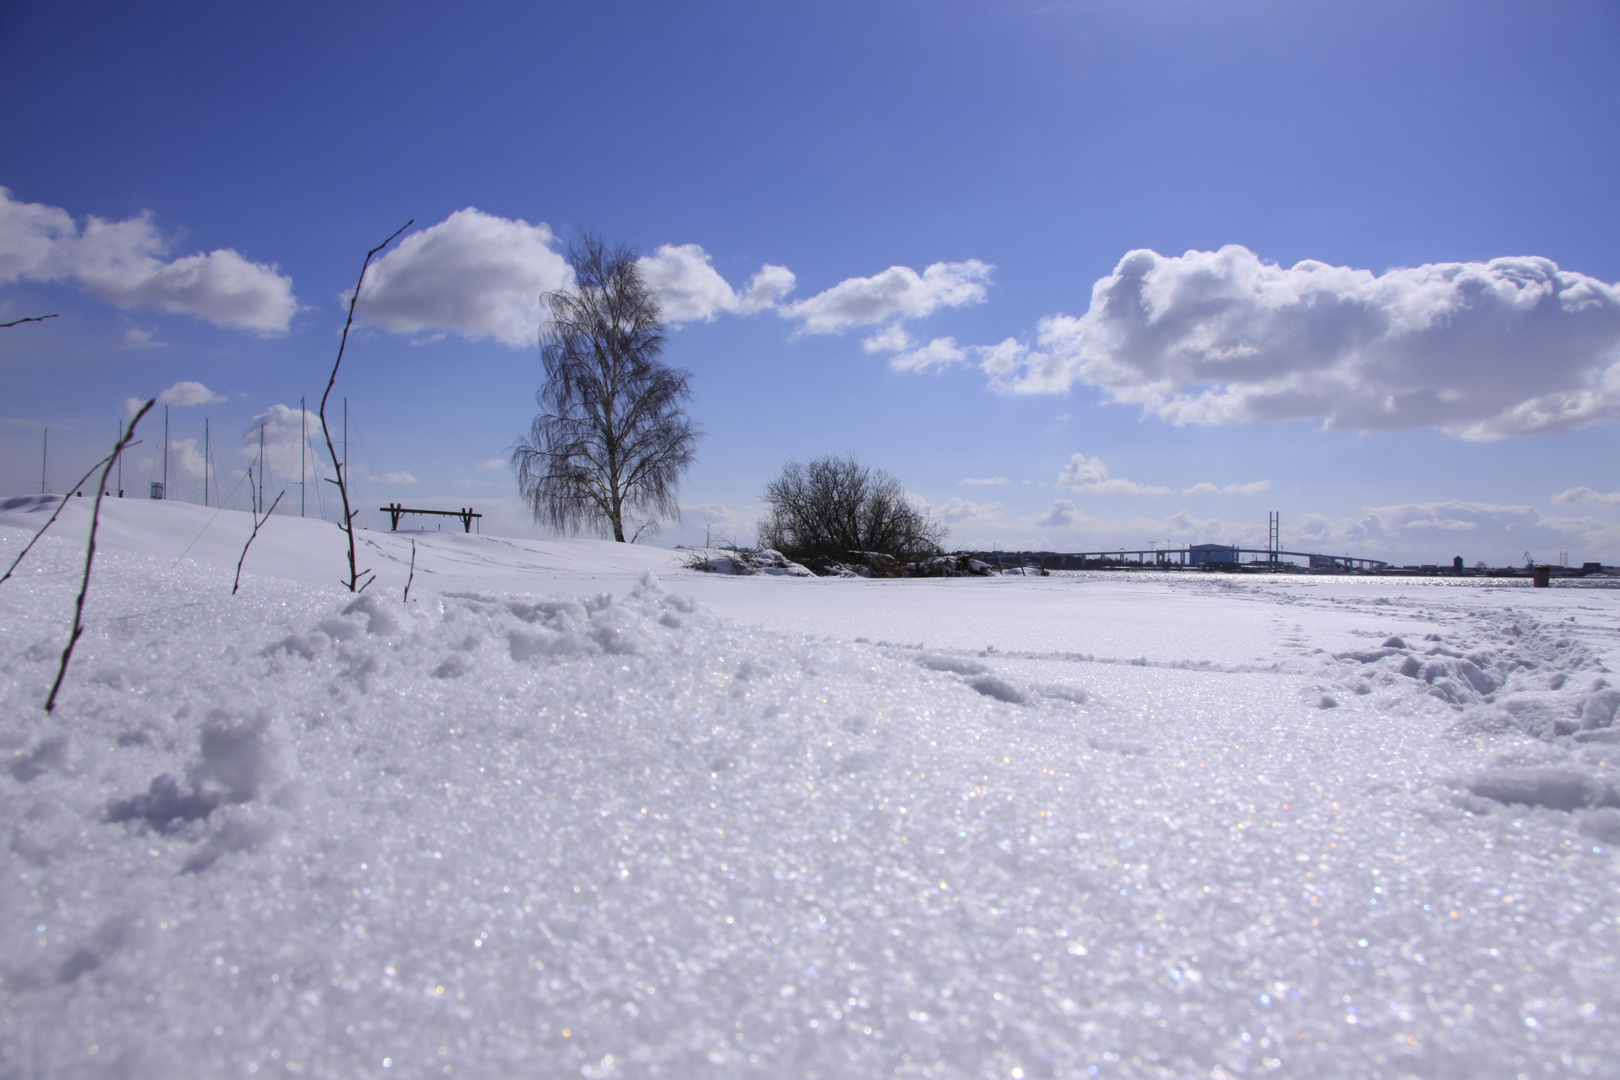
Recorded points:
(575, 810)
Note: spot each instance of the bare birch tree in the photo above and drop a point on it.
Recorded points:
(612, 438)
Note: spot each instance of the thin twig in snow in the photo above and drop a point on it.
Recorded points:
(256, 523)
(413, 573)
(57, 511)
(342, 482)
(90, 554)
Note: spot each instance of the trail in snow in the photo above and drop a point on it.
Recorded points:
(632, 825)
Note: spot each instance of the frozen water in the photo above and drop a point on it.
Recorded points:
(576, 811)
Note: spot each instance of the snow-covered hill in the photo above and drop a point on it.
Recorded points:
(577, 811)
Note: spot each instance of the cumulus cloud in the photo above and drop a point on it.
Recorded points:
(1585, 496)
(1380, 522)
(283, 442)
(482, 276)
(123, 262)
(186, 459)
(1003, 358)
(897, 294)
(1206, 488)
(1091, 475)
(1425, 532)
(985, 480)
(765, 289)
(187, 393)
(1433, 532)
(495, 463)
(1063, 515)
(402, 477)
(180, 395)
(939, 353)
(890, 339)
(689, 288)
(139, 337)
(1481, 350)
(958, 510)
(474, 273)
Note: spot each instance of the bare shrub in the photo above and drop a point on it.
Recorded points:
(825, 510)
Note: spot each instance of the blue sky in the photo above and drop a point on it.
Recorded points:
(192, 187)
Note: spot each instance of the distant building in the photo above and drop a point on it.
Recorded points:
(1211, 554)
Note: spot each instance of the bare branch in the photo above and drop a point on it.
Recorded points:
(413, 573)
(347, 524)
(54, 513)
(256, 523)
(90, 553)
(30, 318)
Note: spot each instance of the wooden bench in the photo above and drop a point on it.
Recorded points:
(394, 510)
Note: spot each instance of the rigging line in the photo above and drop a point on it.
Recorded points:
(365, 447)
(240, 480)
(365, 454)
(317, 475)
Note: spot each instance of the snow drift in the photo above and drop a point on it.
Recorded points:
(666, 823)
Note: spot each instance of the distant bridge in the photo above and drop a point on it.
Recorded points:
(1213, 556)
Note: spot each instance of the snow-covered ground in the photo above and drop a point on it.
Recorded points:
(577, 811)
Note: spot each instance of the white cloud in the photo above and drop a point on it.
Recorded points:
(36, 241)
(1063, 515)
(482, 276)
(186, 459)
(939, 353)
(958, 510)
(766, 289)
(402, 477)
(1002, 358)
(495, 463)
(1184, 525)
(1091, 475)
(283, 437)
(186, 393)
(1585, 496)
(1206, 488)
(1381, 522)
(1442, 524)
(1514, 346)
(896, 294)
(1599, 540)
(474, 273)
(1433, 532)
(122, 262)
(689, 288)
(986, 480)
(138, 337)
(890, 339)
